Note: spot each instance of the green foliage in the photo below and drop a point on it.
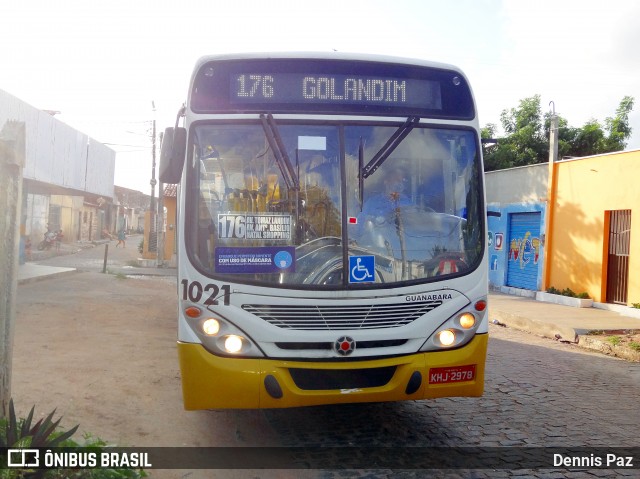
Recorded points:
(614, 340)
(618, 126)
(23, 433)
(527, 135)
(635, 305)
(634, 345)
(525, 142)
(568, 292)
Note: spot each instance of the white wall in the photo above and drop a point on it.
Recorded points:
(524, 184)
(57, 154)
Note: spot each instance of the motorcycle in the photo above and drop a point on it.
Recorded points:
(48, 241)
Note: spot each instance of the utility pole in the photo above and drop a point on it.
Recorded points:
(160, 229)
(152, 213)
(551, 196)
(12, 159)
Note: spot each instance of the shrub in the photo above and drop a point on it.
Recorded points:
(21, 433)
(615, 340)
(568, 292)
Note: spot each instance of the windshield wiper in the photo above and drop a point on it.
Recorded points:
(279, 151)
(391, 144)
(360, 177)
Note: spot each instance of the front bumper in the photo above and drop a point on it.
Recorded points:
(214, 382)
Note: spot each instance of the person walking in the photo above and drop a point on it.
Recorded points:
(59, 236)
(121, 238)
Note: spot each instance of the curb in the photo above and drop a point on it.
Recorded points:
(548, 330)
(42, 277)
(563, 334)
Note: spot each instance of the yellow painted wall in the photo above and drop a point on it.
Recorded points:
(586, 189)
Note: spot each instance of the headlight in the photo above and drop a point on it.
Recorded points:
(467, 320)
(218, 334)
(211, 327)
(233, 344)
(447, 337)
(458, 330)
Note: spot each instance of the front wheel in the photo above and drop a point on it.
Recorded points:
(42, 245)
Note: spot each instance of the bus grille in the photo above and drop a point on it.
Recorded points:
(321, 379)
(334, 318)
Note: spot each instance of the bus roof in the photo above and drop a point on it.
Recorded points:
(326, 56)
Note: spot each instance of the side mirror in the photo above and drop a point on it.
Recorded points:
(172, 155)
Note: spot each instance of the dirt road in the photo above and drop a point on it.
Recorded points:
(101, 349)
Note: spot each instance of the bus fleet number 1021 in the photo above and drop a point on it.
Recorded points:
(194, 291)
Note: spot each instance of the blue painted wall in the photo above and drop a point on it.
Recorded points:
(500, 245)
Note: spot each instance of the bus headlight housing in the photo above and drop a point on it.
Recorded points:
(218, 335)
(454, 332)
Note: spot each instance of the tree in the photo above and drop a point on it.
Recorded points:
(527, 139)
(618, 126)
(525, 142)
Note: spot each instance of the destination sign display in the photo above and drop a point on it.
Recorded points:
(341, 89)
(330, 87)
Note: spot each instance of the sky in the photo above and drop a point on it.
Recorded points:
(113, 67)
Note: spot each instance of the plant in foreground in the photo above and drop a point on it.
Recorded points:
(22, 433)
(44, 433)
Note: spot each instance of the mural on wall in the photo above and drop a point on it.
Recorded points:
(498, 241)
(524, 250)
(495, 240)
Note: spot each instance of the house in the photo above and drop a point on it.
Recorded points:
(569, 227)
(67, 176)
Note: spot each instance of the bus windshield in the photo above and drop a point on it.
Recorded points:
(291, 203)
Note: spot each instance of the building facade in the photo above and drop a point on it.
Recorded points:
(67, 176)
(516, 202)
(573, 227)
(595, 227)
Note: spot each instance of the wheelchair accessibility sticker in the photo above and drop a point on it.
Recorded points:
(362, 269)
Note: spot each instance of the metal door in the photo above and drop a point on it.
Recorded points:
(524, 250)
(618, 257)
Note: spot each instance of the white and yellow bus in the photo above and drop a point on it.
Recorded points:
(331, 231)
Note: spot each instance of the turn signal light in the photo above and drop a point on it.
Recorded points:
(192, 312)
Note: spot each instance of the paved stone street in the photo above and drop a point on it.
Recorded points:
(539, 392)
